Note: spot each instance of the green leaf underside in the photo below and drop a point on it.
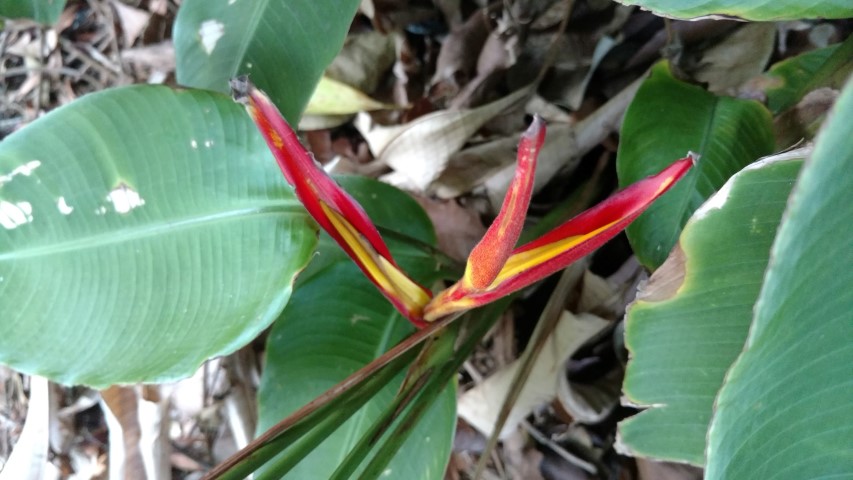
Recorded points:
(668, 118)
(336, 323)
(682, 346)
(283, 46)
(45, 12)
(98, 287)
(784, 410)
(755, 10)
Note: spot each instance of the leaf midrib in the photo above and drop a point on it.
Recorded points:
(148, 230)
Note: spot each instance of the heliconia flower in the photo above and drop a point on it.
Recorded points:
(558, 248)
(333, 209)
(495, 267)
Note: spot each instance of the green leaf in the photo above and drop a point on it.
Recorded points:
(283, 46)
(784, 409)
(336, 323)
(144, 230)
(690, 322)
(42, 11)
(787, 80)
(755, 10)
(668, 118)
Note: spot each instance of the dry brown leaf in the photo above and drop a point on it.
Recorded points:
(590, 403)
(493, 164)
(457, 60)
(158, 59)
(332, 97)
(363, 61)
(652, 470)
(419, 150)
(597, 295)
(29, 457)
(686, 32)
(132, 20)
(457, 228)
(738, 58)
(240, 404)
(481, 405)
(566, 144)
(576, 91)
(522, 460)
(801, 121)
(667, 279)
(139, 442)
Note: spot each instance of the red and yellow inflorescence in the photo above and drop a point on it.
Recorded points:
(495, 267)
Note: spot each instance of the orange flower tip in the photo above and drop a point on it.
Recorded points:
(240, 87)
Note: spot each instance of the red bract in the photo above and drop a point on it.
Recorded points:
(336, 212)
(495, 267)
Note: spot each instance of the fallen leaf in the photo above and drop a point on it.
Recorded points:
(29, 457)
(332, 97)
(457, 228)
(138, 427)
(481, 405)
(132, 20)
(420, 149)
(739, 57)
(363, 61)
(457, 60)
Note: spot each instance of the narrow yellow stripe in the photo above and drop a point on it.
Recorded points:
(526, 260)
(411, 292)
(389, 277)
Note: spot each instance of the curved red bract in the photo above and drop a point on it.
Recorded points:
(495, 268)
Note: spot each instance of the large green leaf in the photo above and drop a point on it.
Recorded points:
(784, 411)
(757, 10)
(336, 323)
(144, 230)
(42, 11)
(665, 120)
(283, 45)
(690, 322)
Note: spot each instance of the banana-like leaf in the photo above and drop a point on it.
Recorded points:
(144, 230)
(667, 118)
(690, 321)
(42, 11)
(784, 409)
(283, 45)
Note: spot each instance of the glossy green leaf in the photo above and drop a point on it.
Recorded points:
(784, 411)
(42, 11)
(690, 322)
(336, 323)
(144, 230)
(756, 10)
(283, 45)
(666, 119)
